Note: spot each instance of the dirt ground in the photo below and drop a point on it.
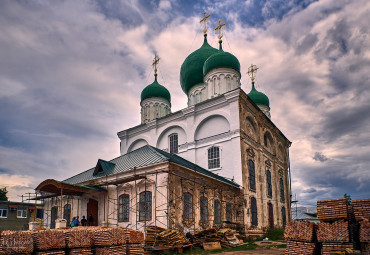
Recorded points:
(264, 248)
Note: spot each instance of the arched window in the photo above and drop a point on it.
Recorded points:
(252, 175)
(203, 209)
(282, 194)
(188, 206)
(145, 206)
(124, 208)
(213, 157)
(283, 214)
(229, 212)
(67, 213)
(217, 212)
(254, 211)
(266, 140)
(269, 185)
(174, 143)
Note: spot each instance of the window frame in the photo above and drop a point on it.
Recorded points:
(144, 209)
(282, 190)
(215, 161)
(254, 212)
(250, 175)
(37, 213)
(229, 212)
(283, 215)
(22, 211)
(124, 208)
(2, 210)
(188, 214)
(203, 209)
(67, 213)
(268, 183)
(173, 145)
(217, 212)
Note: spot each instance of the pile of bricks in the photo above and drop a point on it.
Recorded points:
(301, 238)
(361, 210)
(328, 210)
(78, 240)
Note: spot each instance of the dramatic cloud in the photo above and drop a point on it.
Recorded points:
(71, 74)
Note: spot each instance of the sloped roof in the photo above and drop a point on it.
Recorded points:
(141, 157)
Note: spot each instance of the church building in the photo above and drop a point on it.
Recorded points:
(219, 162)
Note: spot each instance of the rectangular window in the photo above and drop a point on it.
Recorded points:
(21, 213)
(217, 212)
(269, 184)
(124, 208)
(3, 213)
(145, 206)
(252, 178)
(213, 157)
(229, 213)
(40, 213)
(174, 143)
(188, 206)
(203, 209)
(282, 195)
(254, 211)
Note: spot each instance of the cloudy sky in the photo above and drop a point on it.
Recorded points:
(71, 74)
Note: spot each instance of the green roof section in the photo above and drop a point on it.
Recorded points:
(144, 156)
(103, 167)
(155, 90)
(191, 73)
(221, 59)
(258, 97)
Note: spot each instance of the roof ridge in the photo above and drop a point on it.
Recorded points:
(156, 151)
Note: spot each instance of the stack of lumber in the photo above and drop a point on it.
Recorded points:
(328, 248)
(225, 236)
(16, 242)
(299, 231)
(151, 235)
(79, 237)
(80, 251)
(111, 250)
(332, 209)
(135, 249)
(299, 248)
(361, 209)
(134, 236)
(171, 237)
(49, 239)
(338, 231)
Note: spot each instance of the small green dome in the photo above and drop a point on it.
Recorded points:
(155, 90)
(191, 72)
(258, 97)
(221, 59)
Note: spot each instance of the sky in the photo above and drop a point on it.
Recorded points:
(71, 74)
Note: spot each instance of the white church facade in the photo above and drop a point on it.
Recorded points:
(219, 162)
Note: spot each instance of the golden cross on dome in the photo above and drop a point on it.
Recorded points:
(155, 64)
(252, 70)
(219, 27)
(204, 20)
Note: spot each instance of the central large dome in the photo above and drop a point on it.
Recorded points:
(191, 72)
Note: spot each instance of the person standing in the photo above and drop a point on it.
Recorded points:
(83, 221)
(90, 220)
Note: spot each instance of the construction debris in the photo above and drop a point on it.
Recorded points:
(225, 236)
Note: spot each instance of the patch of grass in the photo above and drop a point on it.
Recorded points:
(275, 234)
(280, 246)
(247, 246)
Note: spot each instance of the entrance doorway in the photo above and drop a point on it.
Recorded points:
(54, 215)
(92, 209)
(271, 215)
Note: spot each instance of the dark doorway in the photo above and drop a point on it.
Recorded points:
(54, 215)
(67, 214)
(271, 215)
(92, 209)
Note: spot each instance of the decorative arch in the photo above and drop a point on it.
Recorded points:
(162, 141)
(137, 144)
(268, 141)
(251, 127)
(211, 126)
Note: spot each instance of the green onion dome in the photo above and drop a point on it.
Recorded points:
(191, 72)
(258, 97)
(155, 90)
(221, 59)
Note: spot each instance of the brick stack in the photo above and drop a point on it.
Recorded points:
(135, 242)
(333, 229)
(49, 242)
(80, 240)
(361, 210)
(300, 238)
(110, 241)
(16, 242)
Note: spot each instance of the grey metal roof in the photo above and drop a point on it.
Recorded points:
(304, 213)
(143, 156)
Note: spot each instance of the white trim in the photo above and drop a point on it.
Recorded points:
(1, 213)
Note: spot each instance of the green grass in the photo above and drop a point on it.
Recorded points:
(275, 234)
(248, 246)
